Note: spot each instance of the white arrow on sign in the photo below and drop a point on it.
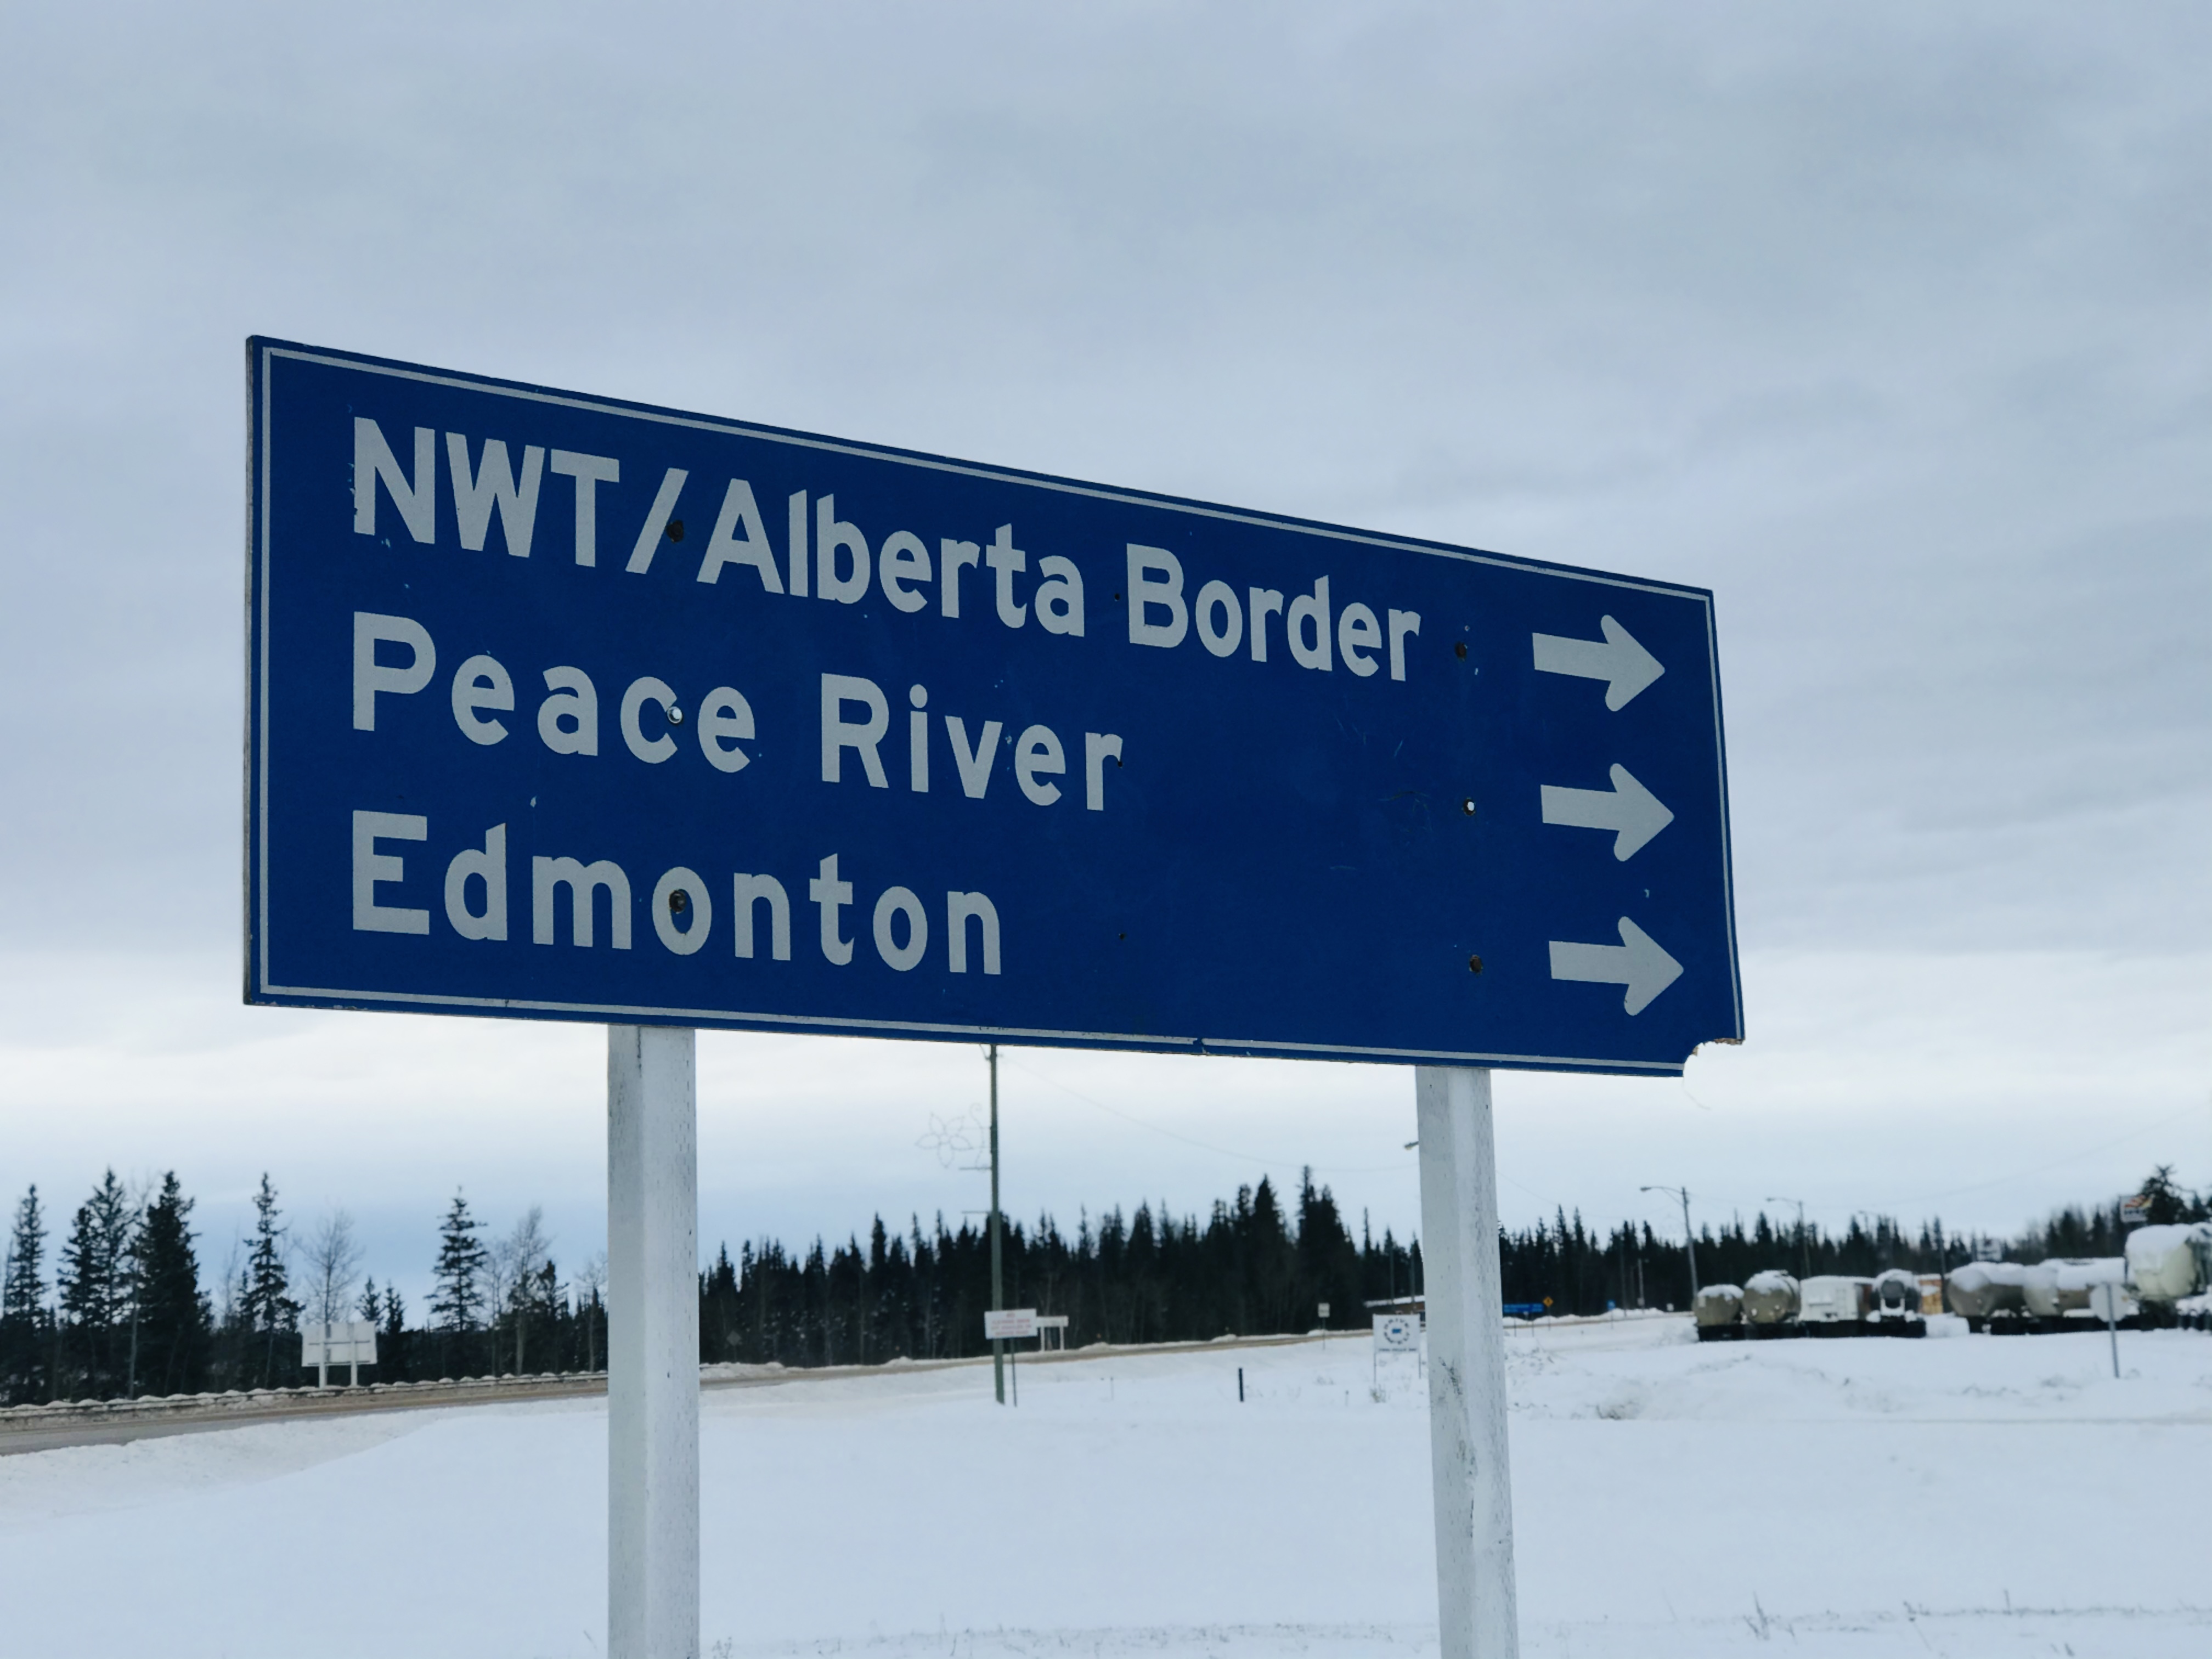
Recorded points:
(1628, 807)
(1617, 658)
(1637, 963)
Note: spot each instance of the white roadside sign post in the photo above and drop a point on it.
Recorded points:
(1472, 1483)
(2106, 1297)
(1395, 1332)
(1010, 1325)
(652, 1341)
(560, 708)
(348, 1342)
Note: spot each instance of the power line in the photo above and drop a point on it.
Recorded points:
(2074, 1156)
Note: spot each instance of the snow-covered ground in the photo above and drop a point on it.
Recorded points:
(1977, 1496)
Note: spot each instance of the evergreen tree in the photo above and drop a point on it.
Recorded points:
(24, 1323)
(95, 1294)
(1329, 1261)
(394, 1344)
(266, 1304)
(173, 1318)
(719, 1311)
(2167, 1202)
(456, 1297)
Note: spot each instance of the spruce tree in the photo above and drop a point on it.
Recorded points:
(95, 1292)
(1329, 1261)
(266, 1304)
(24, 1321)
(173, 1320)
(456, 1296)
(2167, 1202)
(394, 1358)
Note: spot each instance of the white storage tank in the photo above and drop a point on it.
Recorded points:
(2057, 1290)
(1718, 1310)
(1834, 1304)
(2039, 1293)
(1982, 1290)
(2169, 1263)
(1769, 1304)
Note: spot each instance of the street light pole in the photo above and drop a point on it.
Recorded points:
(998, 1266)
(1804, 1243)
(1688, 1237)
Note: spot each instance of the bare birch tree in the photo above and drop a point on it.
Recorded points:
(590, 1285)
(333, 1260)
(519, 1260)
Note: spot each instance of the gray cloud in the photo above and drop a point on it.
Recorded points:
(1888, 325)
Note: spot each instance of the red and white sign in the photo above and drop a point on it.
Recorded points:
(1010, 1325)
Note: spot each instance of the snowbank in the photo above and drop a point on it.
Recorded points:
(1973, 1497)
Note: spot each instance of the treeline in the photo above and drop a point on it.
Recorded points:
(1564, 1267)
(127, 1315)
(1249, 1267)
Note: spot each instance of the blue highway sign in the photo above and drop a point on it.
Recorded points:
(566, 707)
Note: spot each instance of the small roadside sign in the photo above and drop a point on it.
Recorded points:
(1010, 1325)
(1397, 1333)
(2134, 1211)
(348, 1342)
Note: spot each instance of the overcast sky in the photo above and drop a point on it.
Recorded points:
(1891, 325)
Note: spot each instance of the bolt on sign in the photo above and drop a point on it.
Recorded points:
(566, 707)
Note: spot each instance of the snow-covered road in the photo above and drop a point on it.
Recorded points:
(1975, 1496)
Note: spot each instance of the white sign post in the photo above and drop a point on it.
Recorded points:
(653, 1343)
(2105, 1298)
(1394, 1333)
(348, 1342)
(1397, 1333)
(1474, 1488)
(1010, 1325)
